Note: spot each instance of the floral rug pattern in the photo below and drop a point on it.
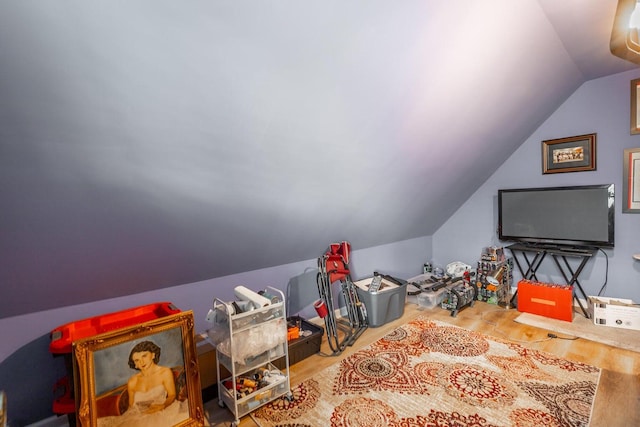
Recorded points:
(429, 373)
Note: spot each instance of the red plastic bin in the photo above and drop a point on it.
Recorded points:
(63, 336)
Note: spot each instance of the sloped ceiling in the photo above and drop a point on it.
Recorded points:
(149, 144)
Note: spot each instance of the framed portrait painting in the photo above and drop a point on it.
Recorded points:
(571, 154)
(142, 375)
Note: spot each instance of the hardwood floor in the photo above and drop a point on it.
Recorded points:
(617, 399)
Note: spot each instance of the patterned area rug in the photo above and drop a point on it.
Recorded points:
(429, 373)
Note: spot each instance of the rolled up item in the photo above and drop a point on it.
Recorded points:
(247, 294)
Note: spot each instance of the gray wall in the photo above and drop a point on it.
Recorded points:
(29, 385)
(150, 144)
(599, 106)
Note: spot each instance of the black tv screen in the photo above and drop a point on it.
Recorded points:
(572, 216)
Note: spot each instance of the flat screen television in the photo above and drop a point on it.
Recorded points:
(567, 216)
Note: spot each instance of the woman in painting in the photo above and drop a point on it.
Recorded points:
(151, 392)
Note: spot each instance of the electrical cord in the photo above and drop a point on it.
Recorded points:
(606, 273)
(550, 335)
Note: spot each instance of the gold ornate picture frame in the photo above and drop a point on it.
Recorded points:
(147, 373)
(571, 154)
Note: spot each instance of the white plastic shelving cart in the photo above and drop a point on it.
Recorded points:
(247, 377)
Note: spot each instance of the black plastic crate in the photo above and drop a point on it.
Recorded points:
(303, 347)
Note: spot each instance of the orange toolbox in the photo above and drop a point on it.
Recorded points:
(62, 339)
(546, 299)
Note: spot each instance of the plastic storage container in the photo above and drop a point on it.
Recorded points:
(303, 347)
(385, 305)
(62, 337)
(430, 299)
(427, 299)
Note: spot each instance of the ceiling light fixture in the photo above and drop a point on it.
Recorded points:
(625, 42)
(634, 19)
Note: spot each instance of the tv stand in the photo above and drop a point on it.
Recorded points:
(533, 256)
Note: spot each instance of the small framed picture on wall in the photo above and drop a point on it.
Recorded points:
(631, 181)
(571, 154)
(635, 111)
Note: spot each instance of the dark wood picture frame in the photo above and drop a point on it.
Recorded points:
(631, 181)
(106, 368)
(635, 112)
(571, 154)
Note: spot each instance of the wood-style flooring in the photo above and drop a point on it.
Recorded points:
(617, 399)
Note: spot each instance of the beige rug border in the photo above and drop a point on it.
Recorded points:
(585, 328)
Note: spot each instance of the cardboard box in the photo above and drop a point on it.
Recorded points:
(546, 299)
(614, 312)
(206, 362)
